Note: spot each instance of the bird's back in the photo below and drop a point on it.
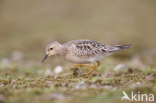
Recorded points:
(88, 50)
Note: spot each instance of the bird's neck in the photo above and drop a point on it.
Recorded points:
(62, 52)
(59, 49)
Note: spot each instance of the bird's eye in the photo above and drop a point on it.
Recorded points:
(51, 48)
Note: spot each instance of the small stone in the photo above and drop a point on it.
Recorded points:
(13, 81)
(138, 83)
(56, 77)
(5, 62)
(58, 69)
(120, 66)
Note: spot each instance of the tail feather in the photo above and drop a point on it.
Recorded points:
(119, 47)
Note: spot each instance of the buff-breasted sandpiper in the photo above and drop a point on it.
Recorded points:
(82, 52)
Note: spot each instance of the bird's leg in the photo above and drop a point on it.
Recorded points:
(81, 65)
(76, 66)
(98, 63)
(94, 67)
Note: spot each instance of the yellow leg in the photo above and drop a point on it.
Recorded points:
(94, 67)
(81, 65)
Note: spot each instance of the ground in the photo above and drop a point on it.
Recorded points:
(74, 86)
(27, 27)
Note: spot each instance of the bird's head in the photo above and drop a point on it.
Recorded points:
(52, 49)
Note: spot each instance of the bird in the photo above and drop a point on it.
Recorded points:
(82, 51)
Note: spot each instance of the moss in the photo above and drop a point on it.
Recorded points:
(76, 84)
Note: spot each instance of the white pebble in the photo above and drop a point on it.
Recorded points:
(5, 62)
(120, 66)
(58, 69)
(13, 81)
(138, 83)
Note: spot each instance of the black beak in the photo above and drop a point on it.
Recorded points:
(45, 58)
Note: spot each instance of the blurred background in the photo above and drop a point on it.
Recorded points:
(27, 27)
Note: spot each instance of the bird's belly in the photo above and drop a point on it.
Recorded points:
(78, 60)
(74, 59)
(87, 60)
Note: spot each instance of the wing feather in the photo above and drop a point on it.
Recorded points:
(88, 48)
